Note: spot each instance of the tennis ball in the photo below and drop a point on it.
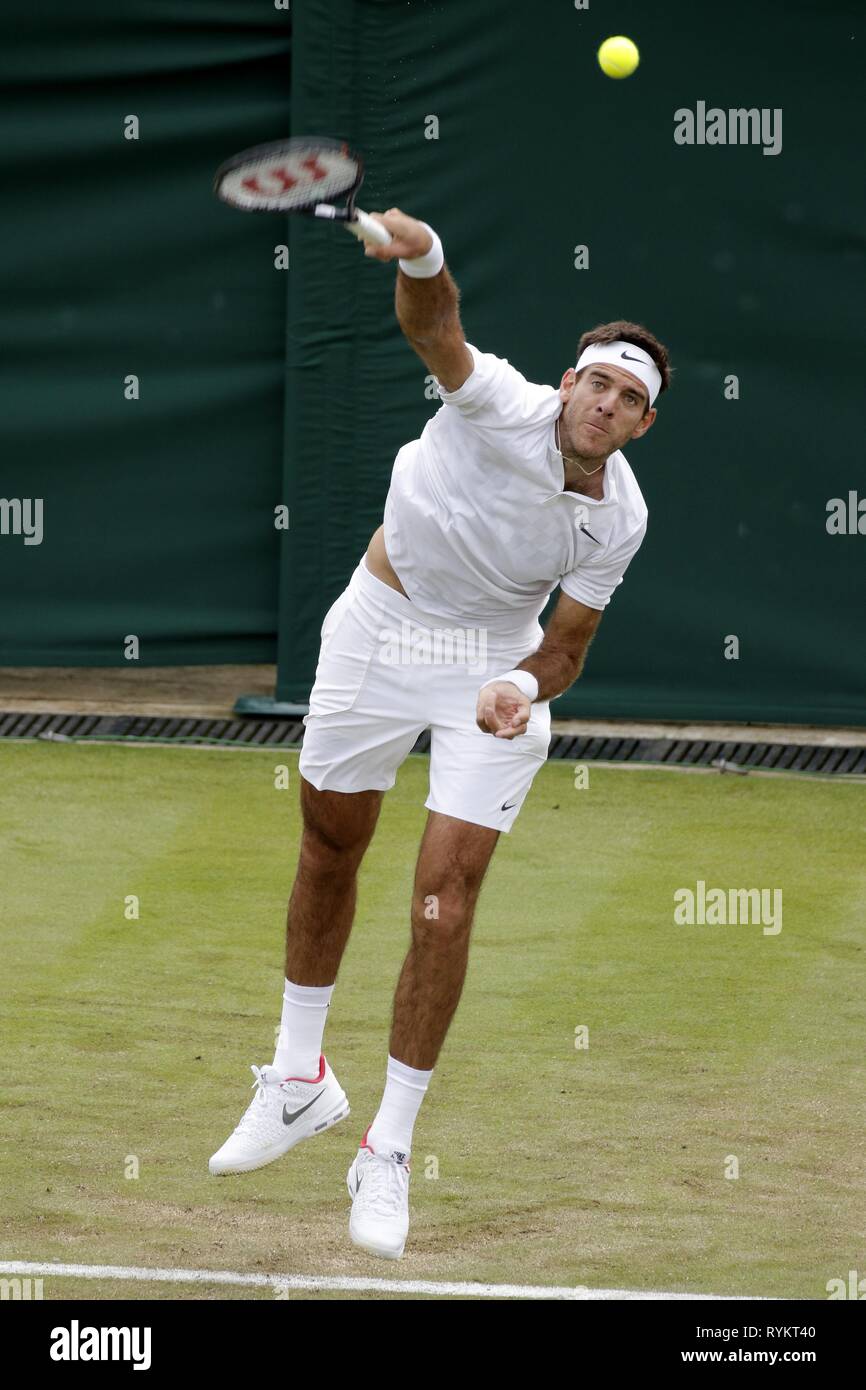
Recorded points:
(618, 57)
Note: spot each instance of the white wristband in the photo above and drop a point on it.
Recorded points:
(423, 267)
(524, 680)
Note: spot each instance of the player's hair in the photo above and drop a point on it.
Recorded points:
(623, 331)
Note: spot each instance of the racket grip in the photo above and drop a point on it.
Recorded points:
(366, 228)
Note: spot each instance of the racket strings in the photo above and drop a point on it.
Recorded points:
(290, 183)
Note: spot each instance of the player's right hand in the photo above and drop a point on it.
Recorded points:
(410, 238)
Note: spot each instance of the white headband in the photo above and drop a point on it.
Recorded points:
(629, 358)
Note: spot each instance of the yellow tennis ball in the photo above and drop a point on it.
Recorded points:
(618, 57)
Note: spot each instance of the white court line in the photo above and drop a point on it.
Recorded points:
(346, 1285)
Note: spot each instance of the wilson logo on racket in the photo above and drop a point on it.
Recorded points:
(303, 175)
(285, 181)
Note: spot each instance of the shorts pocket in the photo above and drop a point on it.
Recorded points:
(536, 741)
(333, 615)
(350, 642)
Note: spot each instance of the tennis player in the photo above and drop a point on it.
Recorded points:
(511, 490)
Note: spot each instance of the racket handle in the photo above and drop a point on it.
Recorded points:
(366, 228)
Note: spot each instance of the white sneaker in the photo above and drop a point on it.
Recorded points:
(282, 1113)
(378, 1185)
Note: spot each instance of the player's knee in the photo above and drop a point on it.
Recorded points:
(329, 849)
(337, 827)
(443, 918)
(336, 837)
(454, 879)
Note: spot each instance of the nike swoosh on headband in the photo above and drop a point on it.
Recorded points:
(634, 359)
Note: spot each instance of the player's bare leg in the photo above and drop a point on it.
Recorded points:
(452, 862)
(298, 1096)
(337, 828)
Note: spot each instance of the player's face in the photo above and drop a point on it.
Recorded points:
(602, 409)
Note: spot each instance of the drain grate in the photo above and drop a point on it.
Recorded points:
(838, 759)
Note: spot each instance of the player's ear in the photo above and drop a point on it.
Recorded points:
(644, 424)
(566, 386)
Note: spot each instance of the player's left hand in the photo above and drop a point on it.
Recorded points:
(502, 710)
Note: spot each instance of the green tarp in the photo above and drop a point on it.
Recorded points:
(158, 512)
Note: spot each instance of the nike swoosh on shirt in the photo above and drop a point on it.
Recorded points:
(289, 1117)
(507, 805)
(589, 533)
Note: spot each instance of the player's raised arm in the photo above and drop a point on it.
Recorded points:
(427, 302)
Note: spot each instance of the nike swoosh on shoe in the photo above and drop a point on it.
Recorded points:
(289, 1116)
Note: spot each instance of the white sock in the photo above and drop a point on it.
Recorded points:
(305, 1011)
(405, 1088)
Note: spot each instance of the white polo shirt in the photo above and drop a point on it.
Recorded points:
(478, 527)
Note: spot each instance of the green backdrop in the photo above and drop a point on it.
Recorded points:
(262, 386)
(118, 261)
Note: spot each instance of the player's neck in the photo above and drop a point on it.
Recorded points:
(576, 481)
(583, 475)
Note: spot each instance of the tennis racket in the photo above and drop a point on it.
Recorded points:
(305, 174)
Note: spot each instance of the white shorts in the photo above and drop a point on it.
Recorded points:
(386, 672)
